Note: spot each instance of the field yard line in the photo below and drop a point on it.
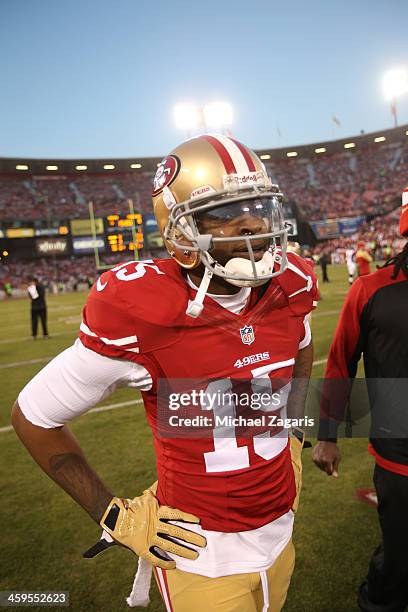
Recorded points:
(320, 361)
(25, 338)
(22, 363)
(114, 406)
(16, 364)
(61, 308)
(100, 409)
(325, 313)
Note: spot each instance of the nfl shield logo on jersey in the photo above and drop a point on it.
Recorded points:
(247, 334)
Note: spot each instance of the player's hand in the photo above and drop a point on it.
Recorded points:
(143, 526)
(327, 457)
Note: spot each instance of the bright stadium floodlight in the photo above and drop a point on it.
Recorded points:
(217, 115)
(187, 117)
(395, 84)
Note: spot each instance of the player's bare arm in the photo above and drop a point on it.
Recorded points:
(301, 373)
(58, 453)
(137, 524)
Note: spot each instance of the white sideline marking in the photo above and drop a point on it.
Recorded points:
(72, 320)
(320, 361)
(100, 409)
(16, 364)
(25, 338)
(325, 313)
(61, 308)
(114, 406)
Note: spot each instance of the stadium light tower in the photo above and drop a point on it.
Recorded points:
(395, 84)
(187, 117)
(217, 115)
(195, 119)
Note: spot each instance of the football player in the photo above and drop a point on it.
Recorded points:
(228, 305)
(351, 265)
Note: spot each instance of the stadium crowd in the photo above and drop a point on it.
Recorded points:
(67, 197)
(365, 181)
(62, 273)
(380, 235)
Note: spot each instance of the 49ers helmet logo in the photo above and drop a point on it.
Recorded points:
(166, 172)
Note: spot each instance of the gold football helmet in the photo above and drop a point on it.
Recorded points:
(206, 183)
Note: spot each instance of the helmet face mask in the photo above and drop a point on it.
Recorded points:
(230, 223)
(247, 227)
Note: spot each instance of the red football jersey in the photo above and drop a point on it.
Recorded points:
(137, 312)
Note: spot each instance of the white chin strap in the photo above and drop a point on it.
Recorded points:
(238, 266)
(195, 307)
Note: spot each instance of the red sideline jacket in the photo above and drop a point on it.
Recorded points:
(373, 322)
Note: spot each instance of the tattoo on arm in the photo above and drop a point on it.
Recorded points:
(72, 472)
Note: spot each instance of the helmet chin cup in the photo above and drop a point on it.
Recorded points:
(238, 266)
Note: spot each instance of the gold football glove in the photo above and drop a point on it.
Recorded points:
(143, 526)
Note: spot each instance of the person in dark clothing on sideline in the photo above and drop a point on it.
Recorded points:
(374, 323)
(36, 291)
(324, 262)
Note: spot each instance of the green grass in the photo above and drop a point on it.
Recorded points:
(44, 532)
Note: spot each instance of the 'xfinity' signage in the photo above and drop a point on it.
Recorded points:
(56, 246)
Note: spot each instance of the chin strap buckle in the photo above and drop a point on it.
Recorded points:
(195, 307)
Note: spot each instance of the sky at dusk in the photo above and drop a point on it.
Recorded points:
(93, 78)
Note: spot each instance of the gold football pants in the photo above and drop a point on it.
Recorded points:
(253, 592)
(185, 592)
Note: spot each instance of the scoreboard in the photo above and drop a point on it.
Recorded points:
(124, 232)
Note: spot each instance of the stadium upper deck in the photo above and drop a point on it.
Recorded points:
(360, 175)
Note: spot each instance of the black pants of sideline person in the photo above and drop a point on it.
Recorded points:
(325, 277)
(386, 586)
(39, 313)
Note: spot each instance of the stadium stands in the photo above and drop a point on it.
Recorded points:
(65, 270)
(367, 181)
(381, 236)
(364, 180)
(66, 197)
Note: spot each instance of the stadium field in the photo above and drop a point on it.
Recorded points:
(44, 532)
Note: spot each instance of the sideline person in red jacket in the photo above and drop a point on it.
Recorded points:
(374, 323)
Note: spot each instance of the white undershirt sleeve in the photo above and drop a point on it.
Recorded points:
(73, 382)
(308, 333)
